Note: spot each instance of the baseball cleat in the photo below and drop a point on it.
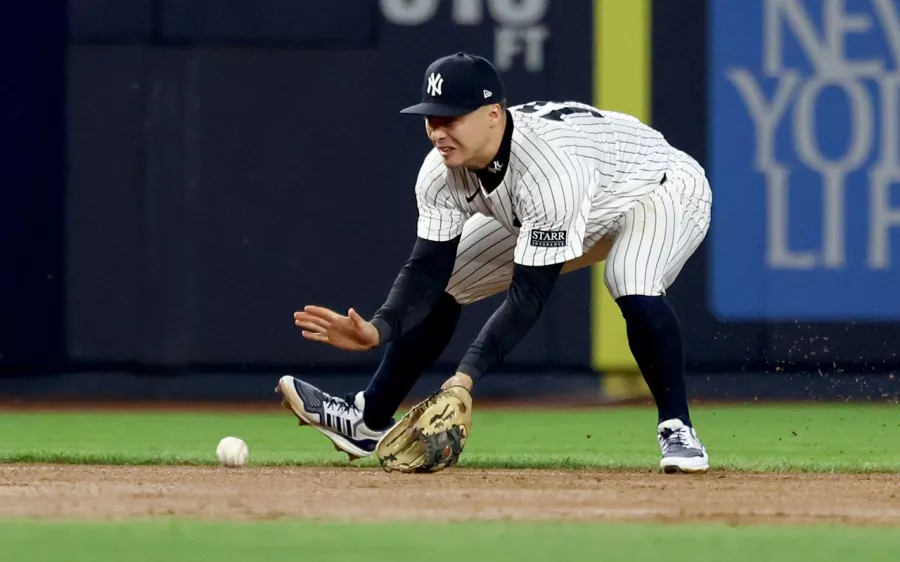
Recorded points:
(681, 450)
(339, 419)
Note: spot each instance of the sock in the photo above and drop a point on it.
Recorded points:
(654, 337)
(406, 359)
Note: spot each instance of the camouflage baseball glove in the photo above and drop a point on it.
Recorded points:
(431, 436)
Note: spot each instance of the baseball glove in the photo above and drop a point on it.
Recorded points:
(431, 436)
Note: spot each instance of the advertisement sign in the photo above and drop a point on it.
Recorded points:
(805, 159)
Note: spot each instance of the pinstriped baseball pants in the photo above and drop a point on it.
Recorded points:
(645, 249)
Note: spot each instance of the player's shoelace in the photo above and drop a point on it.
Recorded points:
(683, 438)
(341, 405)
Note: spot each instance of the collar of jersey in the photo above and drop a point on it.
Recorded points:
(490, 180)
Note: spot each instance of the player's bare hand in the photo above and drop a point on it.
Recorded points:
(349, 332)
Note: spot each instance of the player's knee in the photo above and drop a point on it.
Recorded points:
(619, 288)
(648, 293)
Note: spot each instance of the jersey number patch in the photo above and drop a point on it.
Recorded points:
(542, 110)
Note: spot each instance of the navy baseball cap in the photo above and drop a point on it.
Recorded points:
(456, 85)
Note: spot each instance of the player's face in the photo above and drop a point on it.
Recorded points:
(460, 139)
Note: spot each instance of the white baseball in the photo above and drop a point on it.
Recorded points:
(232, 452)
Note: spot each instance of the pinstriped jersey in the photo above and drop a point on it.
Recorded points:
(571, 172)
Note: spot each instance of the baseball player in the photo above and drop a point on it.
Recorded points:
(508, 199)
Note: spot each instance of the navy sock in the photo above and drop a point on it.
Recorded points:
(654, 337)
(406, 359)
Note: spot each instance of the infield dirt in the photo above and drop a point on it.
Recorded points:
(365, 494)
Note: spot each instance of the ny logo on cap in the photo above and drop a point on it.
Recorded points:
(435, 83)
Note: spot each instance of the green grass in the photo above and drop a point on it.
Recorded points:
(175, 541)
(810, 438)
(832, 437)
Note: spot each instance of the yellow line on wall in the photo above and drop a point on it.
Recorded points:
(622, 82)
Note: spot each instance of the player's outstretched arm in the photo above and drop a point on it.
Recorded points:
(432, 435)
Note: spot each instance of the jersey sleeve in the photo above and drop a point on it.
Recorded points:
(441, 217)
(553, 211)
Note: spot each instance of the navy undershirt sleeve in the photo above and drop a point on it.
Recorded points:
(528, 292)
(422, 279)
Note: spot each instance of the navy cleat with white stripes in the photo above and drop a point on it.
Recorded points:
(339, 419)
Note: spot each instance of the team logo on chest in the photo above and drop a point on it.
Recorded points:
(548, 238)
(435, 84)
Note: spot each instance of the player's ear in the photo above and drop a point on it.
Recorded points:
(496, 112)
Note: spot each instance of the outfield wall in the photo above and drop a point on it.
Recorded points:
(178, 180)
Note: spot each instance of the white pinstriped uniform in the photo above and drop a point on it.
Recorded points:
(576, 176)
